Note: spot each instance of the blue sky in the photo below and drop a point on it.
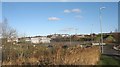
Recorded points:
(0, 11)
(119, 16)
(42, 18)
(59, 0)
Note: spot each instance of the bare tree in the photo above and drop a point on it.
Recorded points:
(0, 43)
(7, 32)
(0, 28)
(0, 32)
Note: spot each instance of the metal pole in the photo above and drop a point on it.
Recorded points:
(101, 29)
(70, 39)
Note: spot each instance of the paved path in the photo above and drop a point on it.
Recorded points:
(108, 50)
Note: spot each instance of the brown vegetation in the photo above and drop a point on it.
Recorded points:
(42, 55)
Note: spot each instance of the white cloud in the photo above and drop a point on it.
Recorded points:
(76, 10)
(53, 18)
(72, 11)
(67, 11)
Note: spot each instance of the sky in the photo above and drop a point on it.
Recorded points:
(43, 18)
(119, 16)
(60, 0)
(0, 11)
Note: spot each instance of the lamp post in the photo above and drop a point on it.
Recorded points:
(101, 8)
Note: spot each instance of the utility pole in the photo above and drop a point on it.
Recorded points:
(91, 34)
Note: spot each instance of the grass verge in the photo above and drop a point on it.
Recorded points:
(108, 60)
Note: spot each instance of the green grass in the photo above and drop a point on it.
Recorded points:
(107, 60)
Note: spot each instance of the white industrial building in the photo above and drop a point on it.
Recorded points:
(34, 40)
(42, 39)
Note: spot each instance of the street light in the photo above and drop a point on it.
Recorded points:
(101, 8)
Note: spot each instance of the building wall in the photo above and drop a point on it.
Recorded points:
(15, 40)
(35, 40)
(45, 40)
(40, 40)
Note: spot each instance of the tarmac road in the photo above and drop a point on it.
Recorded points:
(108, 49)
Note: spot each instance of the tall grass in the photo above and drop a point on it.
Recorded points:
(56, 55)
